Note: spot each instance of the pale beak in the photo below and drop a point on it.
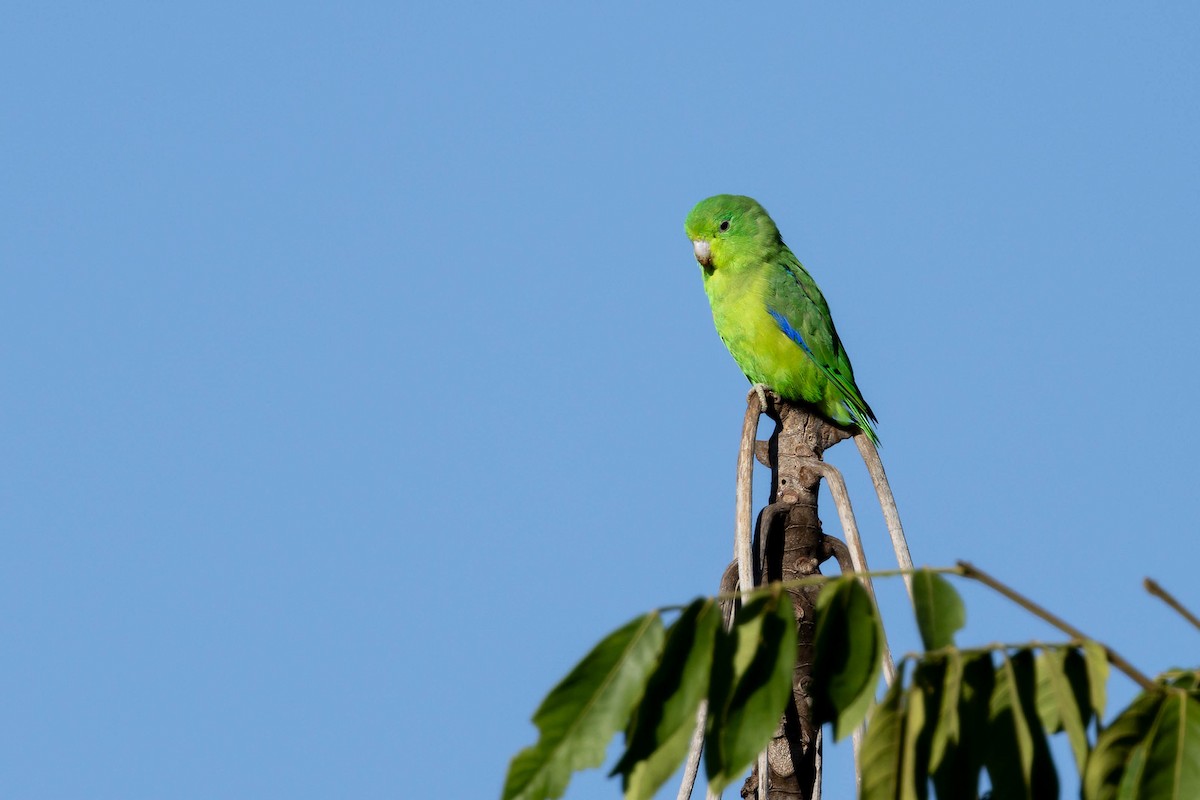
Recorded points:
(703, 252)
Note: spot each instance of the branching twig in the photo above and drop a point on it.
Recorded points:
(841, 499)
(1116, 659)
(1153, 588)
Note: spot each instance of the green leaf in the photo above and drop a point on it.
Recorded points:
(882, 756)
(1074, 704)
(1047, 703)
(1111, 758)
(1018, 757)
(580, 715)
(848, 655)
(1150, 752)
(1076, 670)
(1173, 752)
(750, 687)
(946, 732)
(1097, 672)
(1058, 700)
(1010, 757)
(1045, 776)
(957, 776)
(913, 768)
(1133, 772)
(940, 611)
(1186, 679)
(665, 718)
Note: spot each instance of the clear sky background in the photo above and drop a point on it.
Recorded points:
(358, 374)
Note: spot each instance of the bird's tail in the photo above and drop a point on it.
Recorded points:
(863, 418)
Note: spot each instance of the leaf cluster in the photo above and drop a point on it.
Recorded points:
(948, 715)
(963, 711)
(1152, 749)
(652, 681)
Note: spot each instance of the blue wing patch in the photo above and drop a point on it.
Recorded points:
(789, 331)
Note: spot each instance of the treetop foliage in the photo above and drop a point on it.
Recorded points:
(950, 713)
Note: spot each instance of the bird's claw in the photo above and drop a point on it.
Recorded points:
(761, 390)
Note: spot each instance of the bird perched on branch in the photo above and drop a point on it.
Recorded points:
(770, 313)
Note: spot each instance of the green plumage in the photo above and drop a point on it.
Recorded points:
(770, 313)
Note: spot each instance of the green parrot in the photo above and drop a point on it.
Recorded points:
(770, 313)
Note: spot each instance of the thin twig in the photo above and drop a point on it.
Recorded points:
(858, 556)
(887, 502)
(742, 545)
(692, 768)
(742, 536)
(1116, 659)
(818, 768)
(1162, 594)
(745, 478)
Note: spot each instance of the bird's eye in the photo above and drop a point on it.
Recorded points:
(724, 225)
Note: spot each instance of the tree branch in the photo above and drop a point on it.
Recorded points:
(1153, 588)
(1116, 659)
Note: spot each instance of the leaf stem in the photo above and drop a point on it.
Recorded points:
(1153, 588)
(994, 647)
(968, 570)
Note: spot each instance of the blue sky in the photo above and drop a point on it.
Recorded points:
(359, 375)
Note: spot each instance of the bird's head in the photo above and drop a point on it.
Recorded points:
(727, 227)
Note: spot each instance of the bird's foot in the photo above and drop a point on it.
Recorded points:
(761, 390)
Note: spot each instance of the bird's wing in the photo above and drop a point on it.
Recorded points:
(801, 312)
